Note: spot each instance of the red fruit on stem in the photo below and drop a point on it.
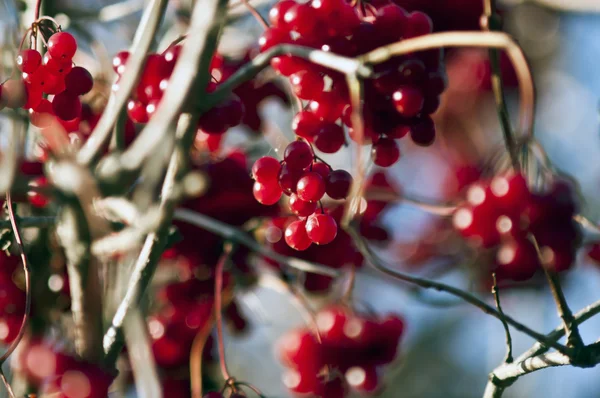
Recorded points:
(408, 101)
(58, 66)
(137, 112)
(305, 124)
(385, 152)
(119, 61)
(266, 170)
(66, 106)
(301, 207)
(29, 60)
(296, 237)
(329, 138)
(307, 84)
(62, 45)
(310, 187)
(267, 194)
(321, 228)
(338, 184)
(298, 155)
(277, 13)
(79, 81)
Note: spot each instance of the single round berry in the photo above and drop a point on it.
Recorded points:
(307, 84)
(517, 260)
(385, 152)
(266, 170)
(329, 138)
(305, 124)
(301, 207)
(338, 184)
(66, 106)
(321, 228)
(62, 45)
(298, 155)
(408, 101)
(272, 37)
(277, 13)
(296, 237)
(301, 19)
(58, 66)
(79, 81)
(119, 62)
(267, 194)
(311, 187)
(321, 168)
(423, 132)
(29, 60)
(288, 179)
(137, 112)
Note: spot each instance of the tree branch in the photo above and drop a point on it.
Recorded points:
(495, 292)
(469, 298)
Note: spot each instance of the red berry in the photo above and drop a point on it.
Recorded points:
(296, 237)
(385, 152)
(62, 45)
(266, 170)
(272, 37)
(41, 115)
(305, 124)
(300, 349)
(307, 84)
(277, 12)
(172, 54)
(423, 132)
(329, 138)
(58, 66)
(363, 379)
(288, 179)
(38, 199)
(517, 260)
(298, 155)
(301, 207)
(267, 194)
(28, 61)
(338, 184)
(119, 62)
(34, 96)
(311, 187)
(137, 112)
(301, 19)
(79, 81)
(66, 106)
(328, 108)
(321, 228)
(408, 101)
(419, 24)
(322, 169)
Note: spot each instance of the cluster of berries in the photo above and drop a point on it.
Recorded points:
(55, 76)
(58, 374)
(348, 345)
(506, 215)
(397, 102)
(305, 180)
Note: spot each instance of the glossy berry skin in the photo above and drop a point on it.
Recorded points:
(267, 194)
(266, 170)
(307, 84)
(277, 13)
(66, 106)
(119, 62)
(29, 60)
(423, 132)
(321, 228)
(296, 236)
(288, 179)
(300, 19)
(408, 101)
(338, 184)
(62, 45)
(385, 152)
(300, 207)
(137, 112)
(306, 124)
(310, 187)
(329, 138)
(298, 155)
(58, 66)
(79, 81)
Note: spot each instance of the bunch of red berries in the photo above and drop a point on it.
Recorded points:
(397, 102)
(305, 181)
(348, 345)
(12, 299)
(506, 215)
(61, 375)
(55, 76)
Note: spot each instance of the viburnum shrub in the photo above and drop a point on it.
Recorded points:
(150, 228)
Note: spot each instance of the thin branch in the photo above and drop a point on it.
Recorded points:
(469, 298)
(259, 18)
(571, 329)
(30, 222)
(6, 383)
(495, 292)
(142, 41)
(235, 235)
(490, 22)
(506, 374)
(225, 257)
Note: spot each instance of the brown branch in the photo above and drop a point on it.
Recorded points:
(495, 292)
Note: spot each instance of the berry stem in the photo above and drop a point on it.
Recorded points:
(261, 20)
(496, 293)
(38, 8)
(9, 389)
(490, 22)
(225, 257)
(569, 324)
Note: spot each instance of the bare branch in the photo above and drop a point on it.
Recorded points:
(495, 292)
